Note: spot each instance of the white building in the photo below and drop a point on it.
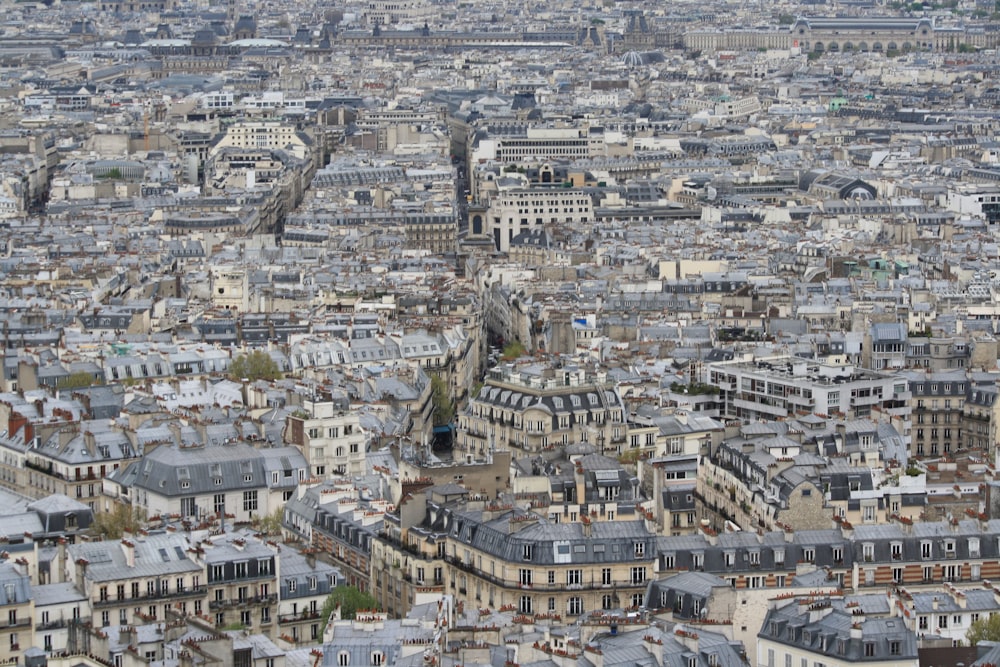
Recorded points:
(517, 211)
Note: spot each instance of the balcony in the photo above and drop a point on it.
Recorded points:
(16, 623)
(298, 618)
(52, 625)
(197, 591)
(242, 602)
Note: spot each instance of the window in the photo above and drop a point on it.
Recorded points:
(640, 549)
(291, 584)
(526, 551)
(240, 569)
(895, 647)
(574, 606)
(808, 554)
(525, 604)
(925, 550)
(524, 577)
(638, 575)
(606, 576)
(249, 501)
(574, 577)
(343, 659)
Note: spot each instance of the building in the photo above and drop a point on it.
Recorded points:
(498, 557)
(18, 607)
(233, 481)
(137, 579)
(514, 212)
(304, 585)
(796, 632)
(330, 437)
(530, 408)
(783, 386)
(241, 573)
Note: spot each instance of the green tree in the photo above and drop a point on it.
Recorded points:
(985, 628)
(76, 381)
(350, 600)
(258, 365)
(120, 520)
(513, 350)
(444, 409)
(786, 19)
(269, 524)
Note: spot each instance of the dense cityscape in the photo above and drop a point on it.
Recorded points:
(468, 333)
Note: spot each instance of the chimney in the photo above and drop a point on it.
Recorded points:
(654, 645)
(81, 570)
(129, 550)
(60, 563)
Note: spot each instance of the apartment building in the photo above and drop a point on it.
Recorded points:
(937, 405)
(331, 518)
(330, 437)
(783, 386)
(854, 557)
(303, 586)
(817, 633)
(136, 579)
(242, 579)
(234, 481)
(49, 448)
(58, 606)
(18, 609)
(530, 408)
(501, 557)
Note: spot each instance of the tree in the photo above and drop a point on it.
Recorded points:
(258, 365)
(786, 19)
(444, 409)
(985, 628)
(513, 350)
(350, 600)
(271, 524)
(120, 520)
(76, 380)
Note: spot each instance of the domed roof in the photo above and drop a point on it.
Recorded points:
(632, 59)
